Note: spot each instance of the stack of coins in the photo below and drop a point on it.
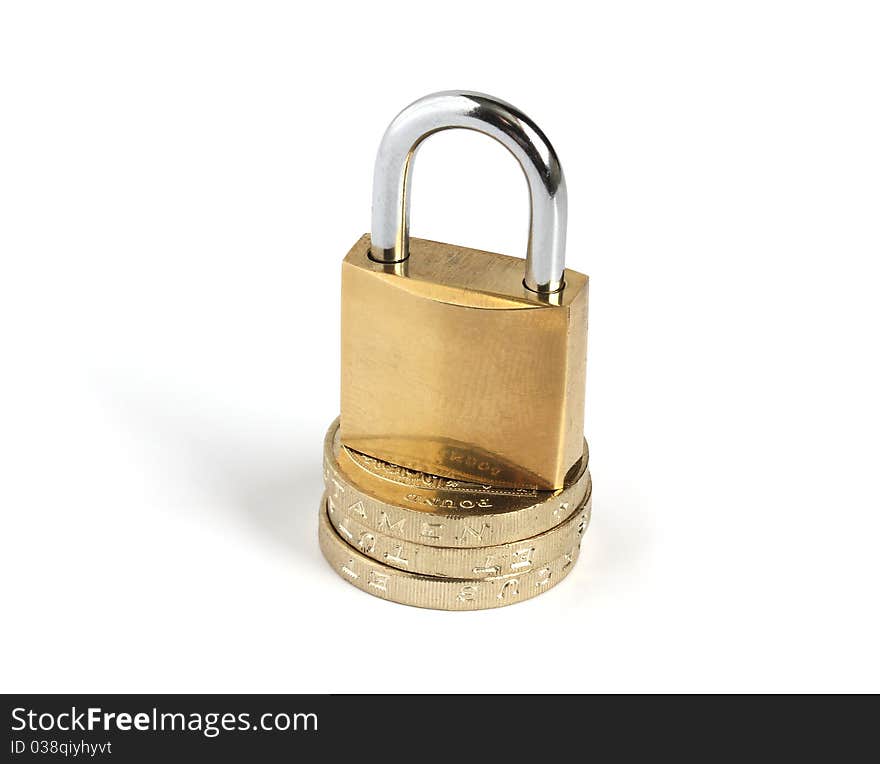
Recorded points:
(434, 542)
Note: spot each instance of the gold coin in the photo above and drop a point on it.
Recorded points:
(461, 562)
(406, 588)
(426, 509)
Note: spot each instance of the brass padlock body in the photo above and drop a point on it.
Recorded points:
(448, 349)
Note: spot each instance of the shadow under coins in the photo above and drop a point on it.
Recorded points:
(282, 506)
(263, 475)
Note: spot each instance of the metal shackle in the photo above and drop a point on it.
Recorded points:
(545, 257)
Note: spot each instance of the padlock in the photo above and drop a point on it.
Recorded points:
(458, 362)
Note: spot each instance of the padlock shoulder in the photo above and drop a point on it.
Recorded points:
(463, 276)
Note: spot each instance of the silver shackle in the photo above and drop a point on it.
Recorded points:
(545, 257)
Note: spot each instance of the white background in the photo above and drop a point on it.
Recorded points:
(178, 185)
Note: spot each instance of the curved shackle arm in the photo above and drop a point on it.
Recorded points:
(545, 258)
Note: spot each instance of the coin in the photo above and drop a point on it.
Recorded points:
(459, 562)
(427, 509)
(418, 590)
